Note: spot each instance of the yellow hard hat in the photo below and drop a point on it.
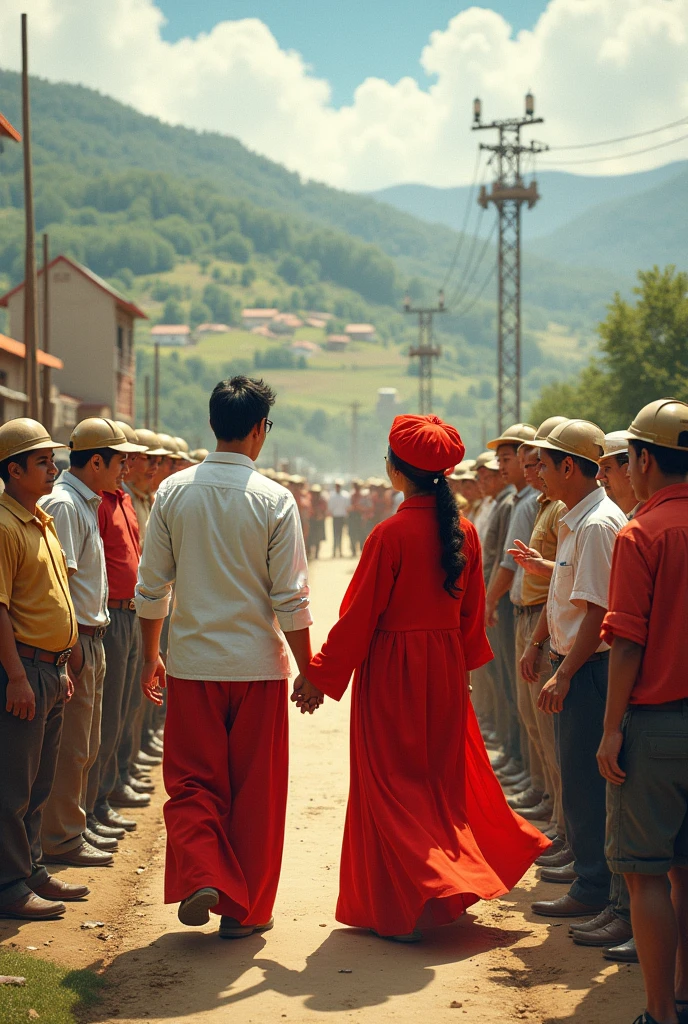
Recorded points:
(151, 441)
(517, 434)
(99, 432)
(664, 423)
(182, 446)
(24, 435)
(576, 437)
(128, 432)
(548, 425)
(170, 445)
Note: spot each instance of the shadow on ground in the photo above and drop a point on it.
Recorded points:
(183, 973)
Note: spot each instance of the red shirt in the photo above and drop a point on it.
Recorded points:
(648, 594)
(119, 529)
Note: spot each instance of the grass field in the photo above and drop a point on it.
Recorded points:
(52, 994)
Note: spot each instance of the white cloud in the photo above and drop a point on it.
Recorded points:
(599, 69)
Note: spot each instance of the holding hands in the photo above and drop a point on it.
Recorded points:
(306, 696)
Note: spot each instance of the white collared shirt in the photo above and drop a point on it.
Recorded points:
(74, 507)
(587, 534)
(229, 541)
(338, 504)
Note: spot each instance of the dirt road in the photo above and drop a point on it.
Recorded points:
(499, 963)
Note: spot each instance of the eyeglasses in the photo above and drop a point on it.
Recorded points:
(268, 426)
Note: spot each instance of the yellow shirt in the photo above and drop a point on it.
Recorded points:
(33, 578)
(543, 539)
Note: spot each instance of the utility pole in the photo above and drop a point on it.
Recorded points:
(156, 386)
(425, 351)
(355, 410)
(30, 279)
(146, 401)
(508, 193)
(47, 415)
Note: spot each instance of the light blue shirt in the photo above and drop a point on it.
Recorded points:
(524, 506)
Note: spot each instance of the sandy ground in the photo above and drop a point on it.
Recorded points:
(499, 963)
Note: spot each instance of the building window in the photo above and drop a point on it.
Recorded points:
(120, 339)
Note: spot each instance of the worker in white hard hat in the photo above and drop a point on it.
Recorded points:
(613, 472)
(37, 633)
(643, 754)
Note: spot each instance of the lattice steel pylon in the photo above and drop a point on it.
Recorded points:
(508, 193)
(425, 351)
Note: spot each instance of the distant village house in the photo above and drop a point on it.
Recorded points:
(360, 332)
(257, 317)
(12, 375)
(337, 342)
(171, 335)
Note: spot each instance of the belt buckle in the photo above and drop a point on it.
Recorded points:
(99, 632)
(63, 657)
(132, 605)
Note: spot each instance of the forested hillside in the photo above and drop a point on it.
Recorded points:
(76, 131)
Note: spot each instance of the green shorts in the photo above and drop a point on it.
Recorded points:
(647, 816)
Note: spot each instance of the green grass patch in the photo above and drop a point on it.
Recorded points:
(56, 993)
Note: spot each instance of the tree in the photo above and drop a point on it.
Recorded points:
(199, 314)
(235, 247)
(173, 313)
(644, 356)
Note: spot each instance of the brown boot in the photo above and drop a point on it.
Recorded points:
(32, 908)
(56, 889)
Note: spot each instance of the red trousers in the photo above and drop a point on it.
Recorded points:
(226, 771)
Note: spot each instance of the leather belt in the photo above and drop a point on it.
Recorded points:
(598, 656)
(123, 606)
(528, 609)
(97, 632)
(670, 705)
(51, 657)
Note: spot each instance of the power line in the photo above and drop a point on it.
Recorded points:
(462, 288)
(619, 156)
(479, 294)
(622, 138)
(462, 236)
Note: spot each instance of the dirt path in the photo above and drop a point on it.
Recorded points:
(497, 964)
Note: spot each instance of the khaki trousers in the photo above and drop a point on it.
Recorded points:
(64, 818)
(545, 771)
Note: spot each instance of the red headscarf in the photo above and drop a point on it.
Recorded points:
(426, 443)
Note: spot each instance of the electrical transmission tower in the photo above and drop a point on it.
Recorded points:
(508, 193)
(425, 351)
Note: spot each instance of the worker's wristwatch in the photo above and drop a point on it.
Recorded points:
(539, 643)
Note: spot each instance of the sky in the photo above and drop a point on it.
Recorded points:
(344, 42)
(363, 94)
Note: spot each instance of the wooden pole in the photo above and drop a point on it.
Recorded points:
(146, 401)
(156, 386)
(30, 281)
(47, 419)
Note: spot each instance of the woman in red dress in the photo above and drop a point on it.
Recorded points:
(428, 831)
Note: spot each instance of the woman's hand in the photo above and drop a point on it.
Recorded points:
(306, 696)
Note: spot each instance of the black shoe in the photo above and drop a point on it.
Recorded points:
(106, 831)
(626, 953)
(682, 1010)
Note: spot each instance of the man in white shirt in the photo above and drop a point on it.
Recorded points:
(229, 541)
(338, 506)
(576, 692)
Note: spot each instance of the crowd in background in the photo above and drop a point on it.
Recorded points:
(77, 742)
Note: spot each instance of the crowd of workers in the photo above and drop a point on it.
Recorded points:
(572, 592)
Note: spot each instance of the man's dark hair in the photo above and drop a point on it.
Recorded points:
(587, 468)
(621, 458)
(22, 459)
(670, 461)
(237, 405)
(77, 460)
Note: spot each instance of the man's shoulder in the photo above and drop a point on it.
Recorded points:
(61, 495)
(607, 513)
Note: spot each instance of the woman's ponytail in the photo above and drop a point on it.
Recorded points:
(452, 536)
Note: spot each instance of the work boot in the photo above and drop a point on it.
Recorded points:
(529, 798)
(141, 785)
(563, 875)
(32, 908)
(57, 890)
(541, 811)
(231, 929)
(106, 831)
(565, 906)
(626, 953)
(82, 856)
(124, 796)
(106, 815)
(100, 842)
(555, 860)
(614, 933)
(194, 910)
(594, 923)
